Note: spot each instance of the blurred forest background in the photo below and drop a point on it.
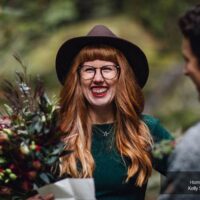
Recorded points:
(36, 29)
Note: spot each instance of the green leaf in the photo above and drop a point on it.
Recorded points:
(8, 109)
(2, 160)
(58, 150)
(52, 160)
(44, 178)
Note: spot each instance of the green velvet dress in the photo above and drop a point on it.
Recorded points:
(111, 170)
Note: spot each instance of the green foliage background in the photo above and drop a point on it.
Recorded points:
(36, 29)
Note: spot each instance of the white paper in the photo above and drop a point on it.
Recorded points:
(71, 189)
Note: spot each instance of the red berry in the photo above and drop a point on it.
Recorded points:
(37, 148)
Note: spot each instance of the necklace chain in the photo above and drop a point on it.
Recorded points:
(104, 133)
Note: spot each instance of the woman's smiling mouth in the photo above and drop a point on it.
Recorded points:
(99, 91)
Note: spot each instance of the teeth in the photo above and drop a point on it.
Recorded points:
(97, 90)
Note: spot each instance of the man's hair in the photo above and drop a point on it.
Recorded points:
(189, 24)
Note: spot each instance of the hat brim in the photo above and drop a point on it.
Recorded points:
(133, 54)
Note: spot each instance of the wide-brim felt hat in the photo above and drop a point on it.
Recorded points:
(102, 35)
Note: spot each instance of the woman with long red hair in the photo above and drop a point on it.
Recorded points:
(101, 105)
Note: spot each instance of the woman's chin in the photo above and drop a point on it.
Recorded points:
(100, 103)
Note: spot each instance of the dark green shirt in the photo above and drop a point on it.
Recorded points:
(111, 170)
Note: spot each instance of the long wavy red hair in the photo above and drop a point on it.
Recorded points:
(132, 136)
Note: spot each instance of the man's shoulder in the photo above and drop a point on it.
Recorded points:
(193, 130)
(187, 153)
(190, 138)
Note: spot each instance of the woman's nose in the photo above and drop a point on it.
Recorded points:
(98, 76)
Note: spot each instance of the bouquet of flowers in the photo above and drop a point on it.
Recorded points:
(30, 138)
(163, 148)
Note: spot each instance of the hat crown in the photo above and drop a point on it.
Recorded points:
(101, 31)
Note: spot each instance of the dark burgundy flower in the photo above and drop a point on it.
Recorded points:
(26, 186)
(31, 175)
(37, 164)
(12, 167)
(5, 190)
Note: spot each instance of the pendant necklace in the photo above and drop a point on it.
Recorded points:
(104, 133)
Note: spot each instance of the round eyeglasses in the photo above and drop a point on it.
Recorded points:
(109, 72)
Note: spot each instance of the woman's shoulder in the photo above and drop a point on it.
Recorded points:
(157, 130)
(149, 119)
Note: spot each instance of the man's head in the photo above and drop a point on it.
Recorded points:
(189, 24)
